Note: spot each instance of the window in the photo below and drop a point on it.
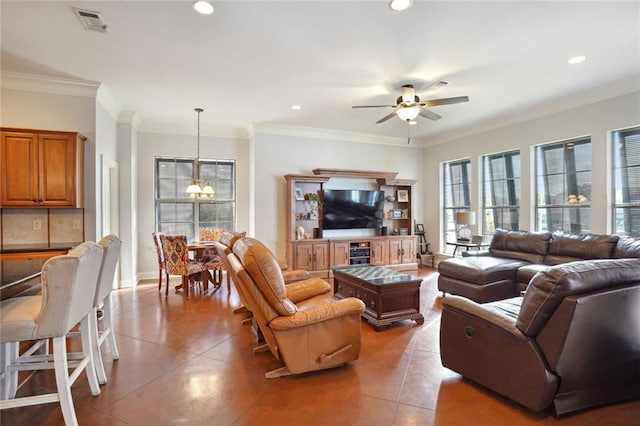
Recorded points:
(626, 181)
(563, 186)
(457, 190)
(177, 213)
(501, 191)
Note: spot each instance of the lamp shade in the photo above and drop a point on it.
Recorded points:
(466, 218)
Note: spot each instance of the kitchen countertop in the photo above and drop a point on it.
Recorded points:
(26, 248)
(18, 275)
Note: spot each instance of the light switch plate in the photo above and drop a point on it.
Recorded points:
(76, 224)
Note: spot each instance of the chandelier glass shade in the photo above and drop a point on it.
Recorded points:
(199, 188)
(408, 113)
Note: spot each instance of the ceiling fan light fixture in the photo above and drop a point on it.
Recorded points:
(408, 113)
(400, 5)
(203, 7)
(577, 60)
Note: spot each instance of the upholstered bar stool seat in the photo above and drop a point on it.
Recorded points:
(69, 285)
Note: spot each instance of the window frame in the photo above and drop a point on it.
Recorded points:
(513, 196)
(573, 208)
(620, 172)
(449, 210)
(192, 226)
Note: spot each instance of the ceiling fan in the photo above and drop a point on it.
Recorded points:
(408, 105)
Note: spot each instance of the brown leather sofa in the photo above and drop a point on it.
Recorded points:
(303, 324)
(514, 257)
(572, 341)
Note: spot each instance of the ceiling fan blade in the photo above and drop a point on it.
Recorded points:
(374, 106)
(429, 114)
(445, 101)
(386, 117)
(435, 85)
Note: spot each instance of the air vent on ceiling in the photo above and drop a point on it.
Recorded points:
(91, 20)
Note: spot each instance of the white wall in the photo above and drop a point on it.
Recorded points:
(128, 200)
(279, 155)
(151, 145)
(595, 120)
(105, 149)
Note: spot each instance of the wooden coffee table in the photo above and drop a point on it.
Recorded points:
(388, 295)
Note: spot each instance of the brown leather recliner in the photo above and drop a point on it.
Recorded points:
(224, 246)
(302, 323)
(572, 341)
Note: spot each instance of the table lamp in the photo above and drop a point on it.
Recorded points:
(463, 220)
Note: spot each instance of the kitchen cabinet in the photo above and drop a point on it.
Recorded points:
(41, 168)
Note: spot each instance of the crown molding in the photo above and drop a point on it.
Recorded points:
(47, 84)
(329, 134)
(185, 129)
(620, 87)
(105, 99)
(129, 117)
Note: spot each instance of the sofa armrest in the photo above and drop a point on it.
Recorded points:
(477, 253)
(295, 275)
(306, 289)
(316, 313)
(501, 314)
(482, 343)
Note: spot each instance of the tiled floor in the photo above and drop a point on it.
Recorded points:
(191, 362)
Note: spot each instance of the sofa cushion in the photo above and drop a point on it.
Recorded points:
(480, 270)
(565, 248)
(626, 247)
(526, 273)
(547, 289)
(528, 246)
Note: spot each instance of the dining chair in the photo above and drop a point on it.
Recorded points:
(177, 262)
(211, 258)
(69, 285)
(161, 263)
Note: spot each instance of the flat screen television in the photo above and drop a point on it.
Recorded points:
(349, 209)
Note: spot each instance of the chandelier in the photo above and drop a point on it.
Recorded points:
(194, 189)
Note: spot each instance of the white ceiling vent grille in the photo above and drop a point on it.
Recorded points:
(91, 20)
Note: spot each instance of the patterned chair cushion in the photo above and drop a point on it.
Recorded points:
(177, 256)
(208, 234)
(157, 242)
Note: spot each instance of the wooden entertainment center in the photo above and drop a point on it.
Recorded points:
(393, 246)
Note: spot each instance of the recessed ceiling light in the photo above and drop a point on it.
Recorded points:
(203, 6)
(296, 107)
(400, 5)
(577, 60)
(413, 122)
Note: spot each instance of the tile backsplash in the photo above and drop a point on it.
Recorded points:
(42, 226)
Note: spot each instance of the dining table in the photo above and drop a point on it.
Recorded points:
(200, 249)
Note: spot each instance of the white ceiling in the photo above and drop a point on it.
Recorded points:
(251, 60)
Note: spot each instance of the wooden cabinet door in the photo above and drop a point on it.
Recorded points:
(19, 169)
(304, 256)
(57, 169)
(395, 251)
(321, 256)
(339, 254)
(379, 252)
(40, 169)
(408, 250)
